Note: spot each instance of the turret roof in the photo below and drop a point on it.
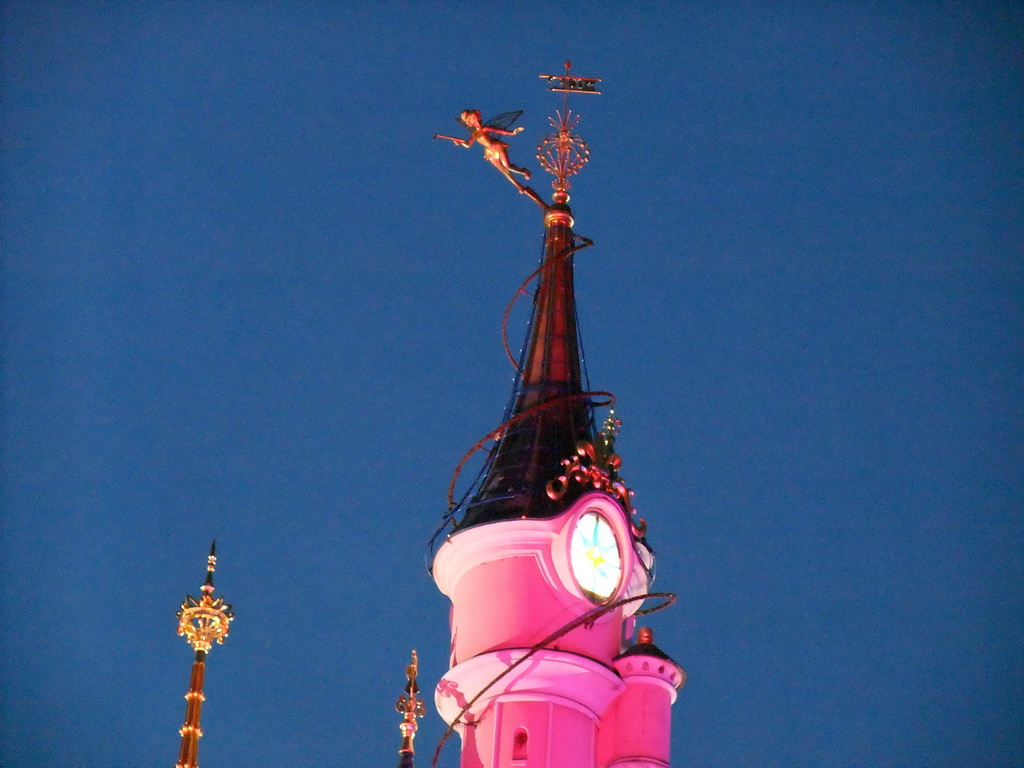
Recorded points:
(550, 410)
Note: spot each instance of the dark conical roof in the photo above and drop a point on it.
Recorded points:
(550, 412)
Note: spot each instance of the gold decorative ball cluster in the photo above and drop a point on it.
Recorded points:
(564, 152)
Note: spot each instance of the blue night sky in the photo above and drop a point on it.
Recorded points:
(246, 296)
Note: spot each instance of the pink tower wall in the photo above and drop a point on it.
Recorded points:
(511, 586)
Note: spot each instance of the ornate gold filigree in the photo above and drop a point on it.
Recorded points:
(207, 619)
(563, 153)
(597, 465)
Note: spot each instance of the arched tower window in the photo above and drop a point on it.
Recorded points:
(520, 745)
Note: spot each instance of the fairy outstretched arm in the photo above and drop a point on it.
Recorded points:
(454, 140)
(502, 131)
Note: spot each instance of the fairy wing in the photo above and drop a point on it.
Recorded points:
(504, 121)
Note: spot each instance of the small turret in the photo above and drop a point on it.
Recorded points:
(636, 730)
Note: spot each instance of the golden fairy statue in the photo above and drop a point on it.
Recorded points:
(495, 150)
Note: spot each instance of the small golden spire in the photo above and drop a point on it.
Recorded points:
(207, 619)
(201, 621)
(410, 706)
(609, 431)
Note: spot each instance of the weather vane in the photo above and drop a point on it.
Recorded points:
(561, 154)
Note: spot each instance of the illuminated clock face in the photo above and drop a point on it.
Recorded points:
(595, 556)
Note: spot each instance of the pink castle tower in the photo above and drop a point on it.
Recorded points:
(545, 562)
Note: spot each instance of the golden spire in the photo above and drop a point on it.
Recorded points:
(564, 152)
(410, 706)
(202, 622)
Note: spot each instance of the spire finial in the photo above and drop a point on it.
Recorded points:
(211, 566)
(564, 153)
(410, 706)
(205, 620)
(201, 622)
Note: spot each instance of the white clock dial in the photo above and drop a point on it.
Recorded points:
(595, 557)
